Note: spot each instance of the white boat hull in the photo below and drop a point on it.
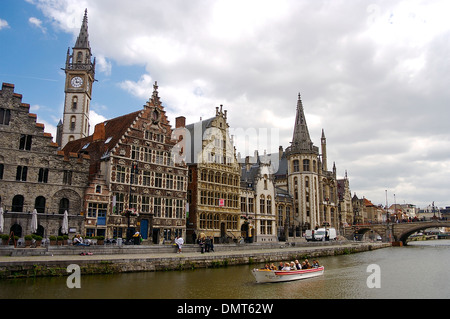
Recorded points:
(265, 275)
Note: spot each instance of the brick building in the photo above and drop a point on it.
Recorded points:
(135, 182)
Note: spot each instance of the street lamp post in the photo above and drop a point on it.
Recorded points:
(135, 171)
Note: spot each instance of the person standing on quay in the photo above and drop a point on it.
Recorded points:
(179, 241)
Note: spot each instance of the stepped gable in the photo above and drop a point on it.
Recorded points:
(12, 102)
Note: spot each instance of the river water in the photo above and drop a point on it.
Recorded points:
(419, 270)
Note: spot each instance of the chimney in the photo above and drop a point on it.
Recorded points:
(280, 152)
(99, 132)
(247, 163)
(180, 122)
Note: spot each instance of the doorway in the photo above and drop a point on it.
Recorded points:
(144, 228)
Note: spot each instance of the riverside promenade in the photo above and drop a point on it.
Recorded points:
(54, 260)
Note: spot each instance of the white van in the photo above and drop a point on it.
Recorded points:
(317, 235)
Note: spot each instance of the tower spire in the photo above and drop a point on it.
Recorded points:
(301, 139)
(83, 37)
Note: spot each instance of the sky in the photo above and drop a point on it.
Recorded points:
(374, 75)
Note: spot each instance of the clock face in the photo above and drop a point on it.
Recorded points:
(77, 82)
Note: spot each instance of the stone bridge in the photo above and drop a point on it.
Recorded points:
(393, 232)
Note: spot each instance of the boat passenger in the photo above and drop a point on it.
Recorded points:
(297, 265)
(308, 266)
(293, 266)
(286, 267)
(303, 265)
(280, 267)
(273, 267)
(316, 264)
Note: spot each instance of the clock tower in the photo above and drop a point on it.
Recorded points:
(80, 74)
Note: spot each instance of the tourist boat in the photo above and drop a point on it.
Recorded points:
(267, 275)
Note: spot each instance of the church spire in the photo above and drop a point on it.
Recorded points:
(83, 37)
(301, 141)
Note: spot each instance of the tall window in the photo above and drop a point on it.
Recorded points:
(1, 170)
(306, 166)
(250, 205)
(21, 173)
(158, 180)
(262, 229)
(269, 205)
(25, 142)
(243, 204)
(67, 178)
(262, 205)
(120, 203)
(43, 175)
(179, 208)
(296, 166)
(169, 181)
(145, 204)
(157, 207)
(280, 215)
(5, 116)
(134, 152)
(120, 174)
(180, 182)
(169, 208)
(133, 201)
(146, 178)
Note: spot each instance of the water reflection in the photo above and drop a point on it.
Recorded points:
(419, 270)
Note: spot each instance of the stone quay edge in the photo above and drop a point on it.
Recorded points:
(53, 261)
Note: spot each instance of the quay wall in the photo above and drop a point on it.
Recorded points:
(37, 266)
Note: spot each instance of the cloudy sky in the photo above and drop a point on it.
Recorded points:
(373, 74)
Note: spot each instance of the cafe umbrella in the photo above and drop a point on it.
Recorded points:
(65, 224)
(34, 222)
(2, 221)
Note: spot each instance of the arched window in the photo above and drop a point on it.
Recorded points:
(269, 205)
(74, 102)
(17, 203)
(39, 204)
(63, 205)
(73, 120)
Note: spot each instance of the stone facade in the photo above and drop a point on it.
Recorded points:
(34, 174)
(214, 190)
(303, 179)
(258, 193)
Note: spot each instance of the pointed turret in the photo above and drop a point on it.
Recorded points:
(301, 141)
(83, 37)
(324, 151)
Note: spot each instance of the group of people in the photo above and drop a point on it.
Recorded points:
(206, 244)
(293, 265)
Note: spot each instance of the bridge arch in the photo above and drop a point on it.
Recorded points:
(393, 232)
(403, 231)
